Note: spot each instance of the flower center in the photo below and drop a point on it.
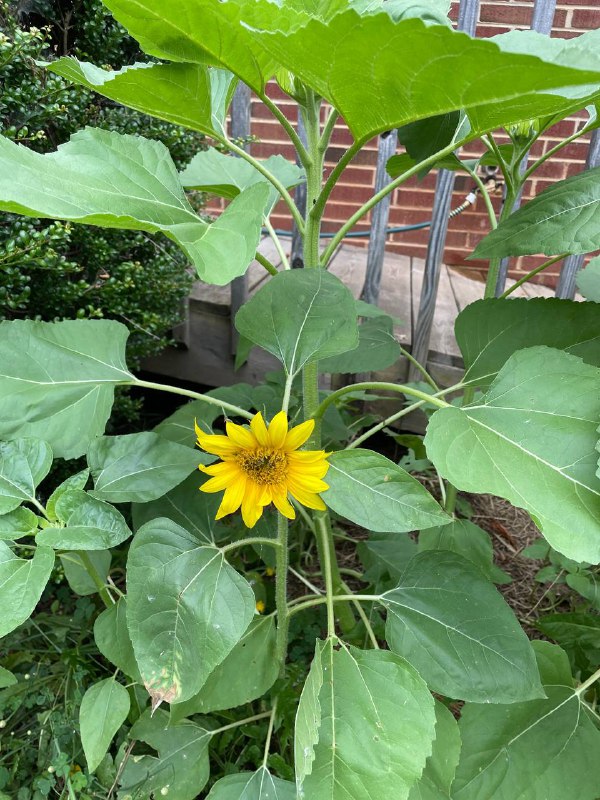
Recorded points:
(264, 466)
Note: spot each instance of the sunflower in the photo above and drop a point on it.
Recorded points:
(263, 465)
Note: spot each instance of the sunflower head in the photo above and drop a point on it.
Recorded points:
(261, 465)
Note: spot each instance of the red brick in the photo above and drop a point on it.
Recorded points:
(586, 18)
(510, 14)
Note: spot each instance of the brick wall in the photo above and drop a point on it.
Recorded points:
(412, 203)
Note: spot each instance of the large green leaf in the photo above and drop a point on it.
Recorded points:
(77, 481)
(540, 750)
(180, 766)
(104, 708)
(260, 785)
(562, 219)
(588, 280)
(226, 176)
(22, 582)
(112, 638)
(532, 440)
(24, 463)
(246, 674)
(186, 609)
(365, 726)
(18, 523)
(191, 95)
(418, 71)
(187, 506)
(57, 380)
(7, 678)
(448, 620)
(468, 540)
(204, 31)
(377, 349)
(440, 768)
(86, 523)
(488, 332)
(370, 490)
(120, 181)
(138, 467)
(300, 316)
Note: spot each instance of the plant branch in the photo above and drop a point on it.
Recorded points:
(589, 682)
(91, 570)
(303, 153)
(364, 209)
(554, 150)
(329, 185)
(239, 151)
(247, 721)
(278, 246)
(281, 569)
(250, 541)
(338, 598)
(417, 364)
(378, 386)
(165, 387)
(328, 130)
(264, 262)
(531, 274)
(485, 195)
(269, 734)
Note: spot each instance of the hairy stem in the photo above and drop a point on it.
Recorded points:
(91, 570)
(281, 569)
(165, 387)
(531, 274)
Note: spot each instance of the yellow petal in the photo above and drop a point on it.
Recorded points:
(317, 470)
(306, 483)
(259, 429)
(306, 456)
(252, 507)
(298, 435)
(308, 499)
(278, 430)
(219, 483)
(282, 504)
(217, 444)
(241, 436)
(222, 468)
(232, 499)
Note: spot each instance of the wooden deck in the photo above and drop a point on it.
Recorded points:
(205, 355)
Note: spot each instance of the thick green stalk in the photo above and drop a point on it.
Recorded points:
(334, 585)
(96, 577)
(281, 569)
(378, 386)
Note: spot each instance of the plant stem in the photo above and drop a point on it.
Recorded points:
(364, 209)
(237, 724)
(271, 268)
(278, 246)
(485, 194)
(365, 620)
(91, 570)
(325, 550)
(319, 206)
(531, 274)
(287, 197)
(250, 541)
(589, 682)
(281, 568)
(555, 149)
(303, 153)
(338, 598)
(378, 386)
(494, 267)
(334, 585)
(328, 130)
(35, 502)
(417, 364)
(269, 734)
(165, 387)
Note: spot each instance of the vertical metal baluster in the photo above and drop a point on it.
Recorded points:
(467, 21)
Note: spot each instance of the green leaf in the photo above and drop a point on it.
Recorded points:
(77, 481)
(429, 75)
(186, 609)
(249, 671)
(448, 620)
(18, 523)
(588, 280)
(181, 765)
(57, 380)
(386, 554)
(488, 332)
(259, 785)
(77, 575)
(6, 678)
(532, 440)
(546, 749)
(377, 349)
(112, 638)
(572, 629)
(23, 465)
(120, 181)
(187, 506)
(365, 725)
(553, 664)
(561, 219)
(191, 95)
(203, 31)
(587, 585)
(469, 541)
(139, 467)
(300, 316)
(22, 582)
(440, 768)
(89, 524)
(372, 491)
(226, 176)
(104, 708)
